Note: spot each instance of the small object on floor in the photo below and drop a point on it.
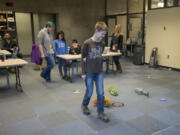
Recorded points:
(76, 91)
(85, 110)
(37, 67)
(149, 76)
(155, 129)
(37, 115)
(103, 117)
(117, 104)
(163, 99)
(140, 91)
(107, 102)
(113, 91)
(96, 132)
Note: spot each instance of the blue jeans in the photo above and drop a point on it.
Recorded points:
(46, 73)
(62, 64)
(107, 64)
(98, 79)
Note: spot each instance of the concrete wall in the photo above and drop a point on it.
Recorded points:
(36, 26)
(116, 7)
(75, 17)
(120, 6)
(167, 40)
(24, 32)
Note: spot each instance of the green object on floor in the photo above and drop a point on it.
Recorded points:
(112, 91)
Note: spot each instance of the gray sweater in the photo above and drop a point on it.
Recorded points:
(45, 39)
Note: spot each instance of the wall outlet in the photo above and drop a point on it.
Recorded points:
(164, 28)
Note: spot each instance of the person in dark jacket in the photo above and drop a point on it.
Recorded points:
(116, 46)
(10, 45)
(75, 48)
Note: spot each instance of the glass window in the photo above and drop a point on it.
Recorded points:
(111, 25)
(157, 4)
(122, 20)
(170, 3)
(146, 6)
(135, 6)
(135, 28)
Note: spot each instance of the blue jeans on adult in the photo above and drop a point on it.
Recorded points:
(62, 64)
(98, 79)
(106, 60)
(46, 73)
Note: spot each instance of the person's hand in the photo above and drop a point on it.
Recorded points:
(83, 77)
(118, 51)
(42, 56)
(115, 45)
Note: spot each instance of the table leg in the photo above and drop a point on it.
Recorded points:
(69, 78)
(72, 68)
(18, 81)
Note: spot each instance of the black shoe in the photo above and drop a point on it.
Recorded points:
(66, 77)
(103, 117)
(48, 80)
(85, 110)
(43, 76)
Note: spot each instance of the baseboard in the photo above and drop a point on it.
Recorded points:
(26, 56)
(160, 66)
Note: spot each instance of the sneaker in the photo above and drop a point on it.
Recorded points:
(103, 117)
(48, 80)
(66, 77)
(43, 76)
(85, 110)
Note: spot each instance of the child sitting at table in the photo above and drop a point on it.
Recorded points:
(61, 48)
(75, 48)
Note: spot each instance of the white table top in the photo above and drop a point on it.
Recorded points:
(12, 63)
(111, 54)
(5, 52)
(75, 57)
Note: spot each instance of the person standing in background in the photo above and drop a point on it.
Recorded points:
(46, 48)
(117, 45)
(61, 48)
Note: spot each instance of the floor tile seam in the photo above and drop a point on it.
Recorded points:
(74, 116)
(171, 126)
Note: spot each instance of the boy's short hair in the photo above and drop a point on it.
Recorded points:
(100, 26)
(74, 41)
